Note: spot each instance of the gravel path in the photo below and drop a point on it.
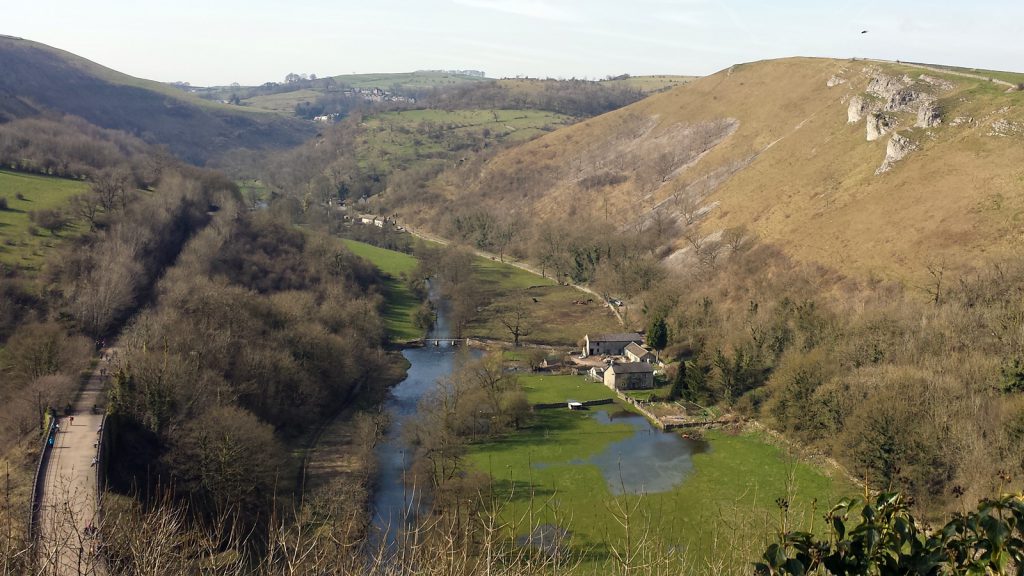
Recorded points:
(69, 491)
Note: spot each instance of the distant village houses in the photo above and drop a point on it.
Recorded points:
(380, 221)
(609, 344)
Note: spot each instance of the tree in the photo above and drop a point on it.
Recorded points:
(657, 334)
(88, 207)
(505, 233)
(229, 456)
(111, 188)
(516, 319)
(679, 389)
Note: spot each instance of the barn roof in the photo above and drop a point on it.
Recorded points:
(637, 349)
(621, 337)
(632, 368)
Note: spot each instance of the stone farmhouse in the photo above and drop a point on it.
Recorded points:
(629, 376)
(609, 344)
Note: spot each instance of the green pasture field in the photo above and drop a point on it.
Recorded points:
(399, 139)
(282, 103)
(401, 302)
(553, 316)
(548, 389)
(18, 247)
(726, 511)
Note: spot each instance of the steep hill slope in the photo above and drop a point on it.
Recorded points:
(38, 79)
(882, 167)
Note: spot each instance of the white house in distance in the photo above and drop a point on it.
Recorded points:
(610, 344)
(629, 376)
(637, 353)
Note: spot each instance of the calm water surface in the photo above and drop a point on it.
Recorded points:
(393, 500)
(648, 461)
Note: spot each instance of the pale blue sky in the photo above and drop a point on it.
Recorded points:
(253, 41)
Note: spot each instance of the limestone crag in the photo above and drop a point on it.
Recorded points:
(907, 100)
(888, 96)
(835, 81)
(879, 125)
(897, 149)
(928, 115)
(885, 86)
(858, 108)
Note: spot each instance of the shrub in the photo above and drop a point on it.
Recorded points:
(20, 196)
(3, 203)
(52, 220)
(887, 539)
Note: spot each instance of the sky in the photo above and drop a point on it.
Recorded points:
(217, 42)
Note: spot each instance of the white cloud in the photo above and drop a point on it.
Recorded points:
(538, 9)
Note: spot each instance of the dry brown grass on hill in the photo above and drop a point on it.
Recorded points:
(784, 162)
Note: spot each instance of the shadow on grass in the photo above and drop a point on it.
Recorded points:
(514, 490)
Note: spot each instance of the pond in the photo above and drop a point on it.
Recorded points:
(648, 461)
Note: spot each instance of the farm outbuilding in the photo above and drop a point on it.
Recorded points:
(637, 353)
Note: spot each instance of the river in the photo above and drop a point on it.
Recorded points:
(647, 461)
(393, 501)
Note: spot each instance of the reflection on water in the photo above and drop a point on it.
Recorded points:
(393, 501)
(392, 498)
(648, 461)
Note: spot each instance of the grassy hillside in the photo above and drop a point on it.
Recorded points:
(19, 247)
(406, 80)
(652, 83)
(401, 302)
(767, 145)
(283, 98)
(38, 79)
(400, 139)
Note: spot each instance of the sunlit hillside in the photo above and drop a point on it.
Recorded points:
(771, 146)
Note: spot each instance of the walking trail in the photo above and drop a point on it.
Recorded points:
(68, 514)
(520, 265)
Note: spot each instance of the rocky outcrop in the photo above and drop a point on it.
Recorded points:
(896, 150)
(885, 86)
(835, 81)
(858, 108)
(896, 93)
(1003, 127)
(928, 115)
(962, 120)
(879, 125)
(937, 82)
(905, 100)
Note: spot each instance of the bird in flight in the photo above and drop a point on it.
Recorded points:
(863, 31)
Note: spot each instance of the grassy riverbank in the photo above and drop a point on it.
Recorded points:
(723, 512)
(401, 303)
(554, 317)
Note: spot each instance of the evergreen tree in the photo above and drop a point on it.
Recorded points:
(679, 389)
(657, 334)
